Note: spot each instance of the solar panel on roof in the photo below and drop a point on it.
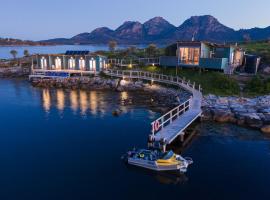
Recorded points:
(77, 53)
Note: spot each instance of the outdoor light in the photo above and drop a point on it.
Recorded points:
(153, 64)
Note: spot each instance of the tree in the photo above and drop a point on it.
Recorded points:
(14, 53)
(112, 45)
(151, 50)
(26, 53)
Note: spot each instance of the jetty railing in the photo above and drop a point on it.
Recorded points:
(193, 104)
(169, 117)
(154, 77)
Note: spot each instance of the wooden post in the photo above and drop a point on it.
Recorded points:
(182, 137)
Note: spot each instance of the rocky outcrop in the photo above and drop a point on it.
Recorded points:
(250, 112)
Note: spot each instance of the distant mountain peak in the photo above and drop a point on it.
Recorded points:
(159, 30)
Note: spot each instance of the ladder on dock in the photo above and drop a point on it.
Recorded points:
(174, 123)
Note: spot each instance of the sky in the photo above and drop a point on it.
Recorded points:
(46, 19)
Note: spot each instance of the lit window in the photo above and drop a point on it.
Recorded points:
(43, 63)
(71, 63)
(58, 63)
(92, 65)
(82, 64)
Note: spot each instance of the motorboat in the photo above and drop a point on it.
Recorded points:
(157, 160)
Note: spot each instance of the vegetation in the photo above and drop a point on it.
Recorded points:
(14, 53)
(261, 48)
(131, 52)
(212, 82)
(258, 86)
(26, 53)
(112, 46)
(151, 50)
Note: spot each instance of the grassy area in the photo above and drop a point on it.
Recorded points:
(258, 86)
(261, 48)
(212, 82)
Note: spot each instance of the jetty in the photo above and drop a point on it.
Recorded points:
(174, 123)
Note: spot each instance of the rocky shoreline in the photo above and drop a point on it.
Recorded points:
(158, 98)
(249, 112)
(13, 72)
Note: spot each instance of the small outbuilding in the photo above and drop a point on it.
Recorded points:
(72, 63)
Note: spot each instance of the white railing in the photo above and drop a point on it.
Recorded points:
(175, 113)
(154, 77)
(169, 117)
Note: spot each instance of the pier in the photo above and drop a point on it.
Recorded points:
(174, 123)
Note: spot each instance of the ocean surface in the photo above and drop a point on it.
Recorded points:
(5, 50)
(57, 144)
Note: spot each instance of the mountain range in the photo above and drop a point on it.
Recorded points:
(160, 31)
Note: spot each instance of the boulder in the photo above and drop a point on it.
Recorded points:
(223, 116)
(207, 115)
(253, 120)
(266, 129)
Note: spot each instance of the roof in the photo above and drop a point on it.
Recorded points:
(198, 43)
(75, 53)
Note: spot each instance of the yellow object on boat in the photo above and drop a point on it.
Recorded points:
(168, 161)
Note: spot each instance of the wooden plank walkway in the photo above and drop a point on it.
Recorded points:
(177, 127)
(172, 124)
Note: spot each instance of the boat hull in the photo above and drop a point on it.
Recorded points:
(153, 166)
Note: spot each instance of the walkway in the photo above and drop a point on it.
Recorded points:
(172, 124)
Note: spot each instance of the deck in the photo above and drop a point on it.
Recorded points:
(172, 124)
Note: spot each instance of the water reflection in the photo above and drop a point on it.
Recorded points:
(93, 102)
(79, 101)
(46, 97)
(60, 95)
(165, 178)
(83, 102)
(74, 101)
(88, 102)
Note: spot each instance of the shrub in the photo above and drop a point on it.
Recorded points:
(258, 86)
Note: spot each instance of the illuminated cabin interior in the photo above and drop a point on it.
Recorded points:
(72, 61)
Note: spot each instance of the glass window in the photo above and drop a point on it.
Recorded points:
(43, 63)
(189, 55)
(58, 63)
(82, 64)
(71, 63)
(92, 65)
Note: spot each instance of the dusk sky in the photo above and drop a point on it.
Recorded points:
(44, 19)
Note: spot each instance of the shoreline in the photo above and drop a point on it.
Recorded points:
(248, 112)
(157, 97)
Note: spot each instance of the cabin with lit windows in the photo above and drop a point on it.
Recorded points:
(205, 55)
(208, 55)
(72, 63)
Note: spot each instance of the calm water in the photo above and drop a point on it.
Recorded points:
(5, 51)
(67, 145)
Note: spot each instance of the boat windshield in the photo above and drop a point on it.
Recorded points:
(168, 155)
